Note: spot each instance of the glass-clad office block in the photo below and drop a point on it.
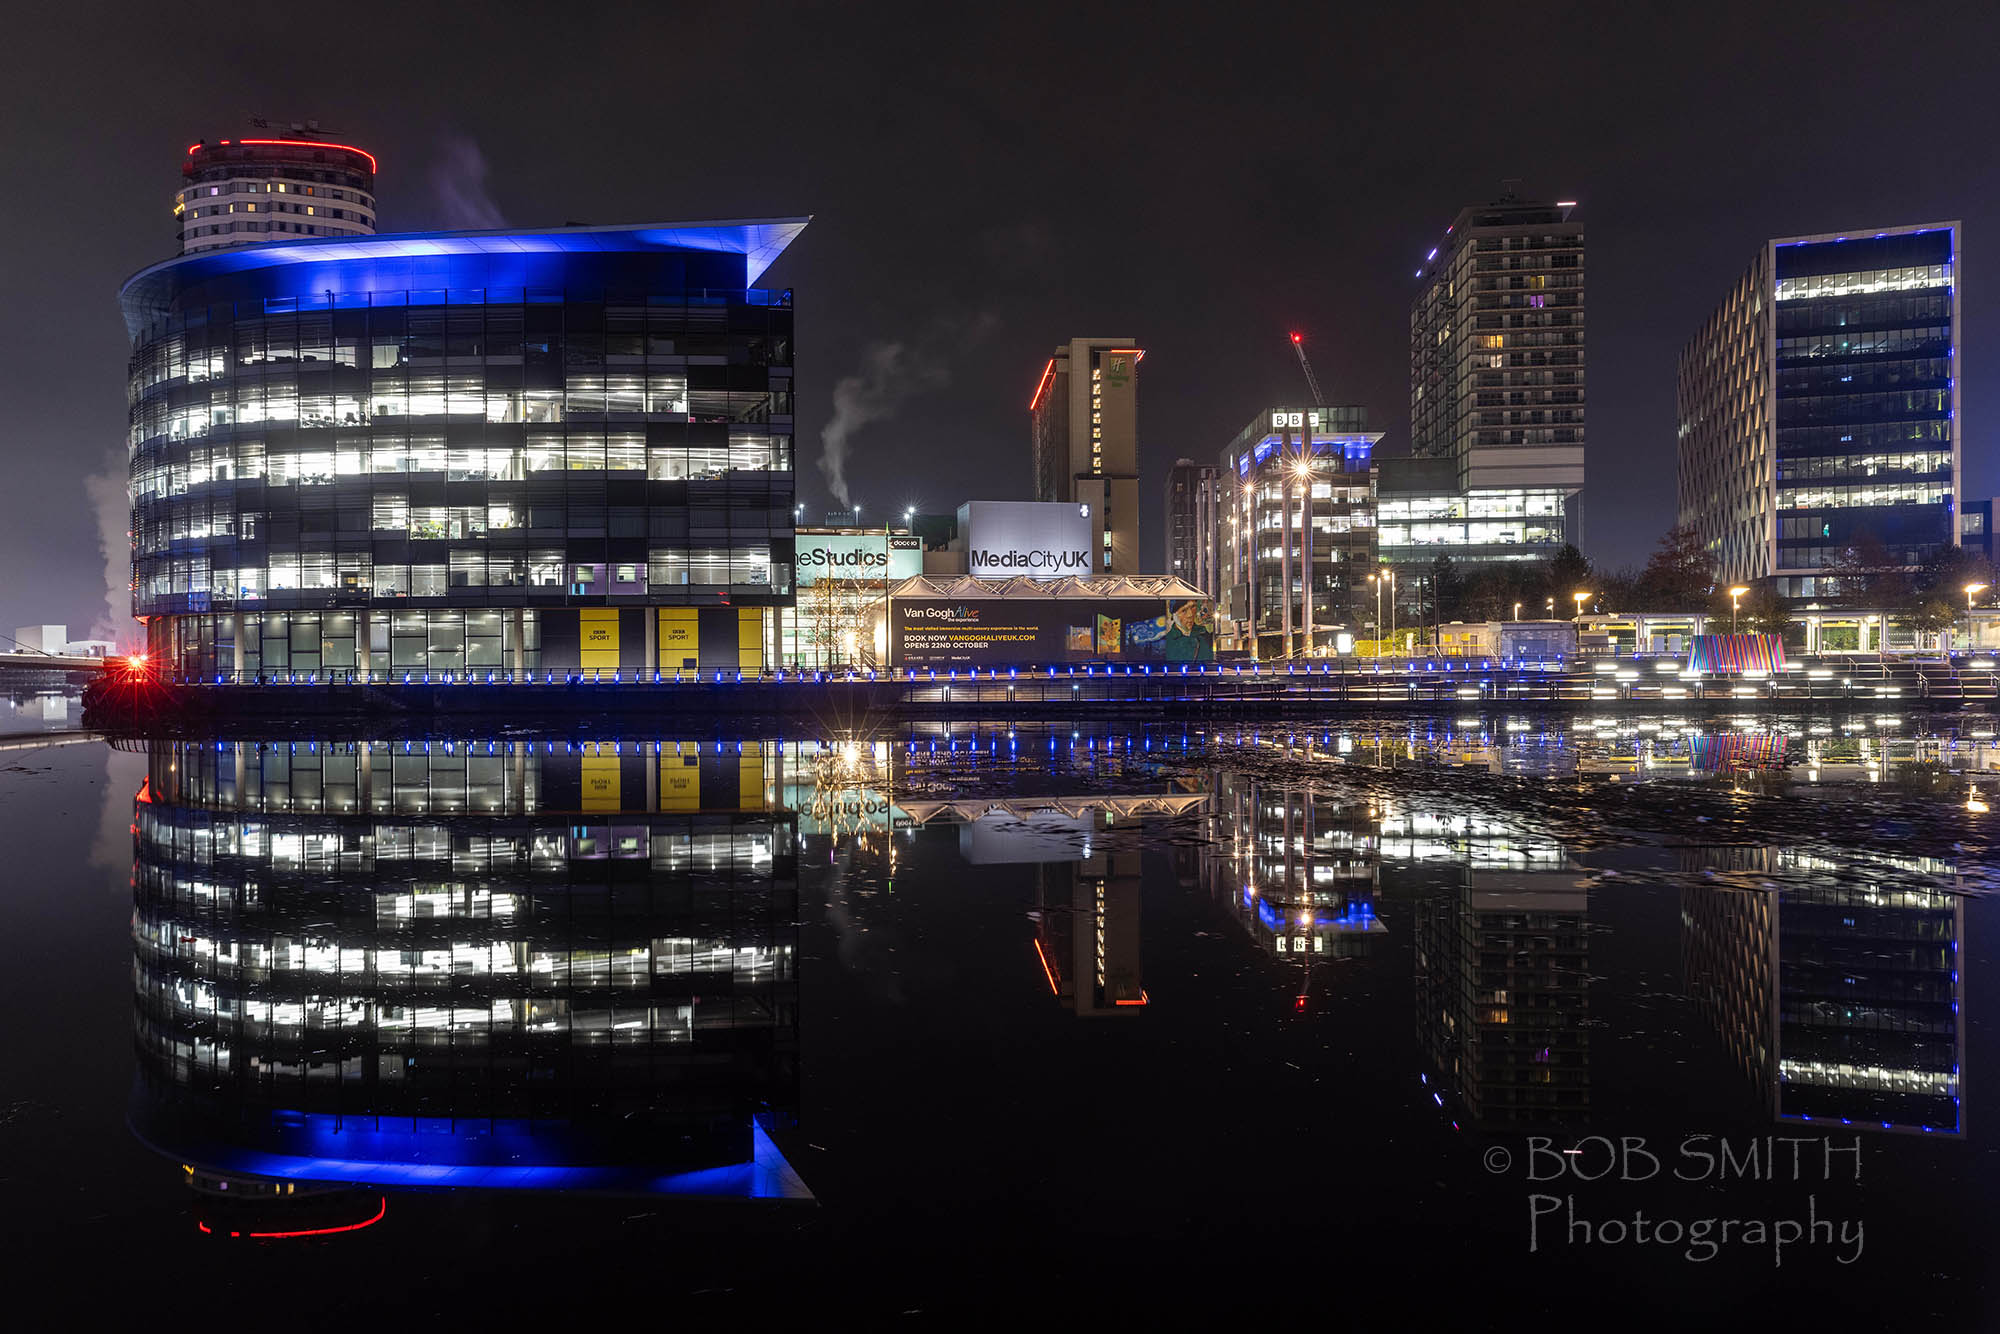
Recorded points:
(1818, 410)
(1865, 435)
(526, 441)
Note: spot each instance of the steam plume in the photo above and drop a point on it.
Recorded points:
(891, 374)
(111, 506)
(458, 180)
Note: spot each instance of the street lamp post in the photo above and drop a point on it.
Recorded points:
(1376, 579)
(1970, 589)
(1392, 603)
(1250, 564)
(1735, 603)
(1302, 471)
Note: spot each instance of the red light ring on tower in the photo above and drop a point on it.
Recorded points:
(290, 143)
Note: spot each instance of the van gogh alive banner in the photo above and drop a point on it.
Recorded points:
(875, 556)
(997, 632)
(1042, 540)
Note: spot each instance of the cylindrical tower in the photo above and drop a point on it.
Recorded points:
(246, 191)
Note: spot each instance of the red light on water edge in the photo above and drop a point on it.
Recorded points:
(381, 1208)
(1047, 972)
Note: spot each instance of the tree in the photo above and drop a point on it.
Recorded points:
(1617, 590)
(1569, 572)
(1679, 573)
(1763, 612)
(1865, 572)
(1947, 571)
(1931, 615)
(835, 618)
(1491, 592)
(1447, 589)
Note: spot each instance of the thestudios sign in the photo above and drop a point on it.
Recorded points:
(1042, 540)
(873, 556)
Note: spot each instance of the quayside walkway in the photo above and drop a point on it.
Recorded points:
(133, 695)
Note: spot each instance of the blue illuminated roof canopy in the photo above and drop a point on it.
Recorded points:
(759, 240)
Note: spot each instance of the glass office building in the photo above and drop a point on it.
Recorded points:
(1295, 572)
(1421, 514)
(1818, 408)
(493, 451)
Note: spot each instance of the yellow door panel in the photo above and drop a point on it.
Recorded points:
(680, 776)
(680, 639)
(601, 786)
(597, 639)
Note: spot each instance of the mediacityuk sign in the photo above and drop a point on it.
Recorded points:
(1042, 540)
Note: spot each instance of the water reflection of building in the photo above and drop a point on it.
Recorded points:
(1615, 748)
(1502, 965)
(1299, 870)
(1087, 881)
(501, 963)
(1087, 929)
(1873, 750)
(840, 790)
(1838, 992)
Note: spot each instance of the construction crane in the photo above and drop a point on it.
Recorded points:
(1312, 381)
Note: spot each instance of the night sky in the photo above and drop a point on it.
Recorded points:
(986, 182)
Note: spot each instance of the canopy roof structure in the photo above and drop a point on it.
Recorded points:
(1074, 587)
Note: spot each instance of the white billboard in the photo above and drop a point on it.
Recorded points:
(890, 557)
(1039, 539)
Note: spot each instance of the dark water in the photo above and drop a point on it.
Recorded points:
(1480, 1020)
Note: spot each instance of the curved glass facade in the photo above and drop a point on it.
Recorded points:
(445, 450)
(480, 963)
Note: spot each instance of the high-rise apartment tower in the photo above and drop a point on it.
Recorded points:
(1497, 349)
(1084, 434)
(239, 192)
